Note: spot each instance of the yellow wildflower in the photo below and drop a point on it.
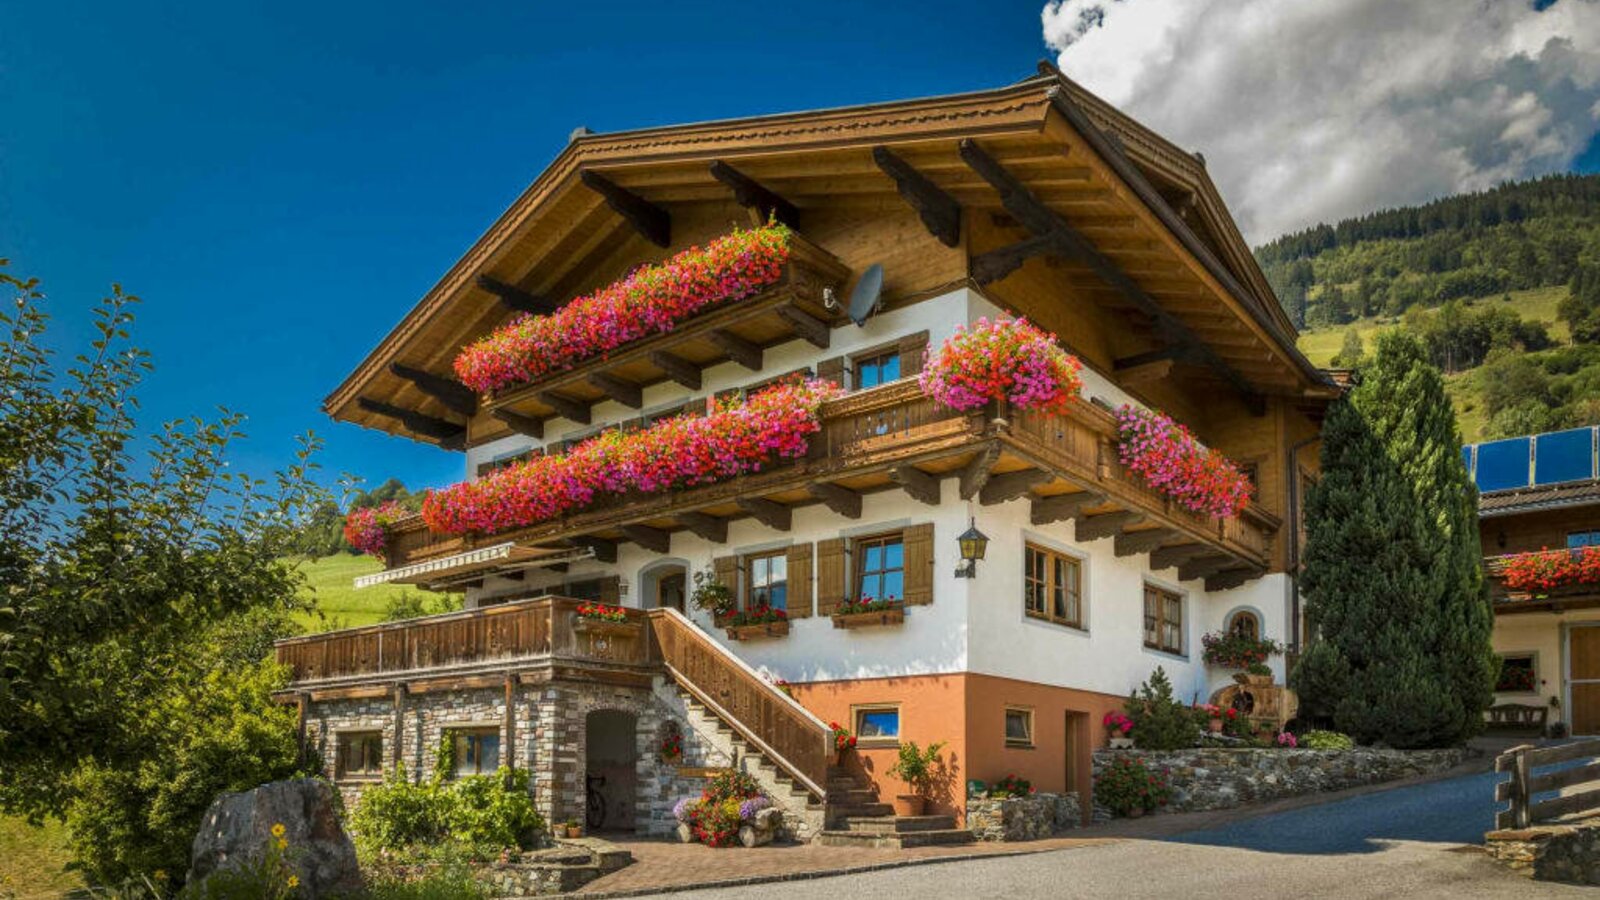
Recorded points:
(294, 881)
(278, 830)
(283, 844)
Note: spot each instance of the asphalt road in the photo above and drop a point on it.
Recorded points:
(1408, 842)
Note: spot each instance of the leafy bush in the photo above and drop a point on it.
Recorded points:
(399, 813)
(451, 880)
(1128, 784)
(917, 766)
(415, 604)
(479, 811)
(1326, 740)
(490, 809)
(1160, 722)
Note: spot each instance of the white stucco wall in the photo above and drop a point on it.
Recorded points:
(1543, 634)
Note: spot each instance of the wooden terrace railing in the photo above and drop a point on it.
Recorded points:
(1525, 786)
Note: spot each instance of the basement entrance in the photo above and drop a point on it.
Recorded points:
(611, 759)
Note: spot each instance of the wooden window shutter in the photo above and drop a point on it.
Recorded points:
(832, 370)
(726, 570)
(919, 564)
(799, 565)
(611, 589)
(913, 353)
(831, 574)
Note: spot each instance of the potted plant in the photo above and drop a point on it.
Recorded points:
(1129, 788)
(1217, 716)
(574, 830)
(756, 622)
(1242, 652)
(864, 611)
(671, 748)
(843, 741)
(916, 767)
(712, 596)
(1117, 727)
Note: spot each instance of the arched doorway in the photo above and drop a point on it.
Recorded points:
(665, 585)
(611, 758)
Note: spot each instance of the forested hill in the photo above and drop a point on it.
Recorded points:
(1502, 285)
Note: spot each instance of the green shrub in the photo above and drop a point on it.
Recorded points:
(481, 812)
(1129, 784)
(1326, 740)
(1160, 722)
(399, 813)
(492, 810)
(917, 766)
(450, 881)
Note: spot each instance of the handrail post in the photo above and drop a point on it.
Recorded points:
(1521, 799)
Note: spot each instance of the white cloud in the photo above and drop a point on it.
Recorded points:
(1312, 110)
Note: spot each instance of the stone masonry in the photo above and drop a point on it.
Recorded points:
(1027, 818)
(1568, 851)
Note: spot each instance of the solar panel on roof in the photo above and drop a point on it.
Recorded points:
(1503, 465)
(1564, 456)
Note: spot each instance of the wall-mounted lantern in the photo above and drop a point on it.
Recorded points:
(973, 545)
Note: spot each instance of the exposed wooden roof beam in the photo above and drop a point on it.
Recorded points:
(567, 407)
(919, 484)
(1093, 528)
(1167, 557)
(1012, 485)
(767, 512)
(712, 528)
(997, 264)
(521, 424)
(806, 325)
(604, 551)
(627, 393)
(1232, 578)
(650, 220)
(751, 194)
(677, 368)
(449, 435)
(1173, 352)
(653, 539)
(940, 212)
(452, 393)
(1040, 220)
(841, 500)
(1205, 566)
(1129, 543)
(738, 349)
(516, 299)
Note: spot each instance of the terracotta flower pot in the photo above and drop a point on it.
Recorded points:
(908, 804)
(1215, 725)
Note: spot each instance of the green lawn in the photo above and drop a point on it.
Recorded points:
(330, 579)
(33, 860)
(1537, 304)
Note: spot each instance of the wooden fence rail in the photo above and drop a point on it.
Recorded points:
(1525, 785)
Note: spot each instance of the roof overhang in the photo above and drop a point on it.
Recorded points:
(481, 562)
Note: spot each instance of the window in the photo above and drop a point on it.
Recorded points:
(881, 567)
(1019, 727)
(477, 751)
(1245, 624)
(1163, 620)
(876, 369)
(1052, 586)
(1576, 539)
(877, 725)
(1518, 674)
(767, 580)
(360, 754)
(505, 462)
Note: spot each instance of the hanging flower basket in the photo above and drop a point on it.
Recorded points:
(681, 452)
(649, 301)
(1007, 360)
(1169, 459)
(367, 529)
(1548, 570)
(867, 612)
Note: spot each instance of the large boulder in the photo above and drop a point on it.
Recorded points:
(238, 831)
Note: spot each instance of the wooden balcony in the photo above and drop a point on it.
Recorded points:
(895, 438)
(1508, 601)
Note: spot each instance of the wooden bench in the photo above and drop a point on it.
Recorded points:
(1518, 717)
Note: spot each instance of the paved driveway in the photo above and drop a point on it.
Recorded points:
(1402, 842)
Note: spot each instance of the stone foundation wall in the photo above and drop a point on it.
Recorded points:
(1222, 777)
(1568, 852)
(1022, 818)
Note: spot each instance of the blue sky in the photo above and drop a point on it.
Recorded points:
(281, 182)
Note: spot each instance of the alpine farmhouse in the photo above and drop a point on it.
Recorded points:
(1034, 200)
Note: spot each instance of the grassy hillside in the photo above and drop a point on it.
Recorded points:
(33, 860)
(329, 580)
(1533, 304)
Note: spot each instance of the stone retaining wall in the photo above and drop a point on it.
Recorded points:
(1568, 852)
(1026, 818)
(1222, 777)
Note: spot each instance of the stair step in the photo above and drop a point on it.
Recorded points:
(853, 796)
(861, 810)
(895, 841)
(895, 824)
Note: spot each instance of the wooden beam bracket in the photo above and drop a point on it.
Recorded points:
(1093, 528)
(771, 514)
(977, 472)
(1063, 506)
(997, 264)
(521, 424)
(711, 528)
(650, 220)
(841, 500)
(940, 212)
(738, 349)
(677, 368)
(751, 194)
(1012, 485)
(515, 299)
(456, 396)
(449, 435)
(807, 326)
(567, 407)
(604, 551)
(625, 392)
(1129, 543)
(653, 539)
(919, 484)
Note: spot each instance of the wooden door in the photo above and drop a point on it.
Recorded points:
(671, 591)
(1583, 654)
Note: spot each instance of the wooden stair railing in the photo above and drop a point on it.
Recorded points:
(793, 739)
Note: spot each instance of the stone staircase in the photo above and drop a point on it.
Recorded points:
(857, 818)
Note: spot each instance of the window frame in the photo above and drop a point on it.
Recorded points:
(1591, 538)
(746, 593)
(468, 734)
(1052, 556)
(1234, 617)
(1023, 743)
(340, 741)
(858, 560)
(1533, 660)
(872, 355)
(857, 710)
(1166, 594)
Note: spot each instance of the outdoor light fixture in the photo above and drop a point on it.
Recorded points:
(973, 544)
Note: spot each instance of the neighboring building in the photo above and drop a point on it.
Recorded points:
(1035, 199)
(1539, 515)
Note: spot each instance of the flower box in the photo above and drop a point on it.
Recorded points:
(604, 628)
(1007, 360)
(1173, 463)
(1548, 570)
(895, 616)
(758, 631)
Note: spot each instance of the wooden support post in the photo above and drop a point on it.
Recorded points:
(625, 392)
(940, 212)
(521, 424)
(302, 705)
(841, 500)
(453, 394)
(773, 515)
(516, 299)
(449, 435)
(397, 752)
(737, 348)
(1063, 506)
(712, 528)
(917, 483)
(976, 474)
(677, 368)
(751, 194)
(509, 758)
(807, 326)
(567, 407)
(1012, 485)
(653, 539)
(650, 220)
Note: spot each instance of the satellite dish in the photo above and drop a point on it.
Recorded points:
(864, 299)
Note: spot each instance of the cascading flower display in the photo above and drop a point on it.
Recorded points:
(1006, 359)
(650, 300)
(1549, 569)
(736, 438)
(366, 529)
(1169, 459)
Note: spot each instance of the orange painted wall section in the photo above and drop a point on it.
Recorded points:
(967, 713)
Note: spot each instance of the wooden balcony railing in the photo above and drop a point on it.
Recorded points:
(545, 628)
(1494, 567)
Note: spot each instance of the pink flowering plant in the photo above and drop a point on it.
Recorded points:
(651, 300)
(1007, 359)
(1117, 724)
(1170, 460)
(367, 529)
(680, 452)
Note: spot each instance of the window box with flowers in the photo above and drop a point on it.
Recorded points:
(1166, 455)
(1540, 573)
(1240, 651)
(600, 619)
(1003, 362)
(864, 612)
(758, 622)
